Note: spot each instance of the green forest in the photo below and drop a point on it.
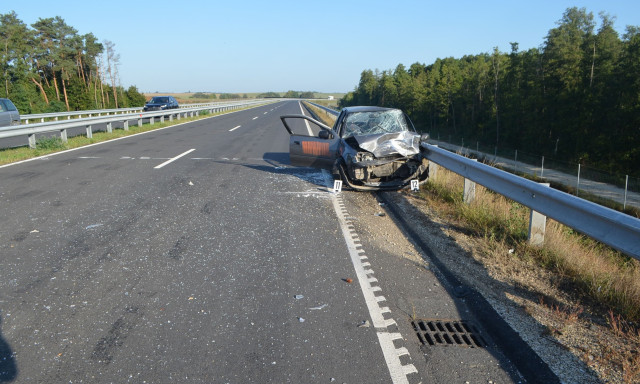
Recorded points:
(575, 98)
(49, 67)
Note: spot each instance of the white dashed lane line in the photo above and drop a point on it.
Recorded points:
(234, 128)
(255, 117)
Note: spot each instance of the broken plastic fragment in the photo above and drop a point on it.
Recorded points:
(380, 214)
(298, 297)
(93, 226)
(364, 324)
(35, 231)
(300, 319)
(190, 183)
(319, 308)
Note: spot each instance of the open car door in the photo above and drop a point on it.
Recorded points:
(311, 143)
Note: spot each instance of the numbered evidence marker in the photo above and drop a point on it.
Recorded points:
(415, 186)
(337, 186)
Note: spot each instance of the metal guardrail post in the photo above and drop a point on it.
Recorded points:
(578, 184)
(537, 226)
(433, 169)
(626, 188)
(469, 190)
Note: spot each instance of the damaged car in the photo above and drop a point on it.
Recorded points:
(368, 148)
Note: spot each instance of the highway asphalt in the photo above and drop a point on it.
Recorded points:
(197, 254)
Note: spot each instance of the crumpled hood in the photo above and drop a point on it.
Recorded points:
(405, 143)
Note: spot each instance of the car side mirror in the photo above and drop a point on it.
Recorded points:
(325, 134)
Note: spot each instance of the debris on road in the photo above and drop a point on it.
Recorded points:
(364, 324)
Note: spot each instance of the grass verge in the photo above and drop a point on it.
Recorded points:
(602, 275)
(323, 115)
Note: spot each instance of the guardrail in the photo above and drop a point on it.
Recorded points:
(617, 230)
(30, 130)
(97, 112)
(76, 114)
(326, 109)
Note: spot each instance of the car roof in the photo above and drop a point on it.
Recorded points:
(367, 109)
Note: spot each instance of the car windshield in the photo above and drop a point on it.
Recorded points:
(160, 100)
(374, 122)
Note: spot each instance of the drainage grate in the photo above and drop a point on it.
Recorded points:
(447, 332)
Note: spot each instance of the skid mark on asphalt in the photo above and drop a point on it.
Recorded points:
(207, 209)
(178, 248)
(108, 345)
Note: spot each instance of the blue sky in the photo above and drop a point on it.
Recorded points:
(259, 46)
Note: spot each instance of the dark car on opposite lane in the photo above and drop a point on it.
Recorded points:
(159, 103)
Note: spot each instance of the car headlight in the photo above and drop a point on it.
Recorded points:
(364, 156)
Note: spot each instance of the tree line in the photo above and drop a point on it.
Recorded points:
(574, 98)
(49, 67)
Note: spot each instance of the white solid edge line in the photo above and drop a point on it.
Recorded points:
(233, 129)
(306, 122)
(397, 371)
(174, 159)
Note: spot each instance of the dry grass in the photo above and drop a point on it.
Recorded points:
(324, 116)
(594, 303)
(601, 275)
